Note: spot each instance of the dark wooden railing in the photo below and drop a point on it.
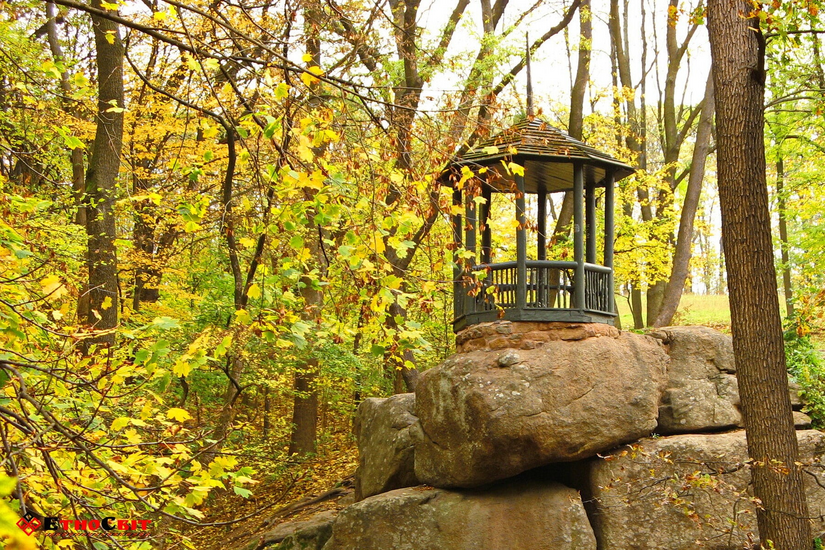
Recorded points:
(550, 287)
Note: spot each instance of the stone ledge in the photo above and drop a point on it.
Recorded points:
(527, 335)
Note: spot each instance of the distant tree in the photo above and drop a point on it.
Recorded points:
(738, 53)
(99, 199)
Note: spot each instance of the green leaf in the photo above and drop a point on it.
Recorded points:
(223, 347)
(296, 242)
(166, 323)
(245, 493)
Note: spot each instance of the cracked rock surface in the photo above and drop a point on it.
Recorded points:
(489, 416)
(386, 431)
(524, 514)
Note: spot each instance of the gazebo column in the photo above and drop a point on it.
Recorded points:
(486, 234)
(542, 292)
(541, 253)
(590, 222)
(458, 269)
(608, 238)
(521, 247)
(578, 237)
(470, 245)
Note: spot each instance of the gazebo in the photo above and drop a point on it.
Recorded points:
(544, 160)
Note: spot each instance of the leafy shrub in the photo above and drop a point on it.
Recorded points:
(807, 367)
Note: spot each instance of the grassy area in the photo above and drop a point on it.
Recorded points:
(703, 309)
(694, 309)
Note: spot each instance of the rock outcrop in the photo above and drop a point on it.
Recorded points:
(488, 415)
(687, 491)
(386, 430)
(702, 393)
(525, 514)
(550, 398)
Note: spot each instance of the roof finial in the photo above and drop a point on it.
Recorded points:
(530, 112)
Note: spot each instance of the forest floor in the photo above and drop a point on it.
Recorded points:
(323, 482)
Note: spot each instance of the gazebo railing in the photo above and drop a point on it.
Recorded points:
(549, 286)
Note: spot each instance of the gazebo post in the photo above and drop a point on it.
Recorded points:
(458, 268)
(608, 237)
(541, 253)
(590, 221)
(542, 294)
(486, 234)
(578, 237)
(521, 247)
(470, 245)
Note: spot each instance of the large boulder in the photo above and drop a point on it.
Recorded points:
(489, 415)
(385, 430)
(702, 393)
(687, 491)
(526, 514)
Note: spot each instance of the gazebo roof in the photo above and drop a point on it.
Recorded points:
(547, 155)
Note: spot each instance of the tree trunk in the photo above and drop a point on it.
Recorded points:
(684, 241)
(100, 180)
(783, 236)
(305, 402)
(739, 81)
(305, 410)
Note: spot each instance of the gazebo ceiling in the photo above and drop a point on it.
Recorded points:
(547, 155)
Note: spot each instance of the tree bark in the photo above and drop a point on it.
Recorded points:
(100, 181)
(684, 240)
(739, 81)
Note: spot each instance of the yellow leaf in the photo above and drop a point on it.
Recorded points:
(246, 242)
(282, 90)
(178, 414)
(378, 240)
(110, 37)
(491, 150)
(306, 58)
(182, 367)
(517, 169)
(209, 132)
(254, 292)
(120, 423)
(52, 286)
(309, 77)
(305, 153)
(107, 303)
(159, 15)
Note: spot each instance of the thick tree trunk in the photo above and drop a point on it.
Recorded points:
(684, 240)
(100, 180)
(739, 81)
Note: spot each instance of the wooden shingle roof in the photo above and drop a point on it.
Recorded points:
(547, 154)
